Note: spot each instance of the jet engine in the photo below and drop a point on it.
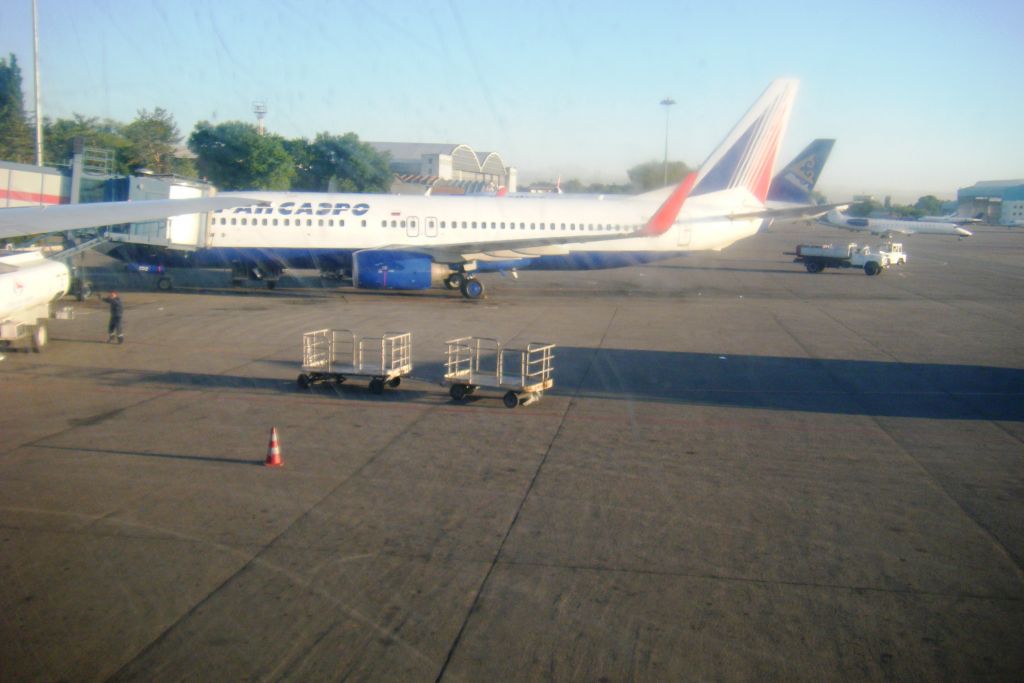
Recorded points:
(383, 269)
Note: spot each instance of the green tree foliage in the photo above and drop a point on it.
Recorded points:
(339, 163)
(651, 175)
(929, 205)
(17, 142)
(151, 140)
(233, 156)
(863, 209)
(107, 134)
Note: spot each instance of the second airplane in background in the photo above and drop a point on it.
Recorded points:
(888, 228)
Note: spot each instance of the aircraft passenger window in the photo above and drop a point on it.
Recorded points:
(494, 226)
(563, 226)
(264, 221)
(502, 226)
(232, 221)
(474, 225)
(383, 224)
(464, 225)
(403, 224)
(364, 223)
(309, 222)
(341, 223)
(533, 226)
(274, 221)
(394, 224)
(287, 221)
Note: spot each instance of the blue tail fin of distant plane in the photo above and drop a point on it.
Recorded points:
(796, 181)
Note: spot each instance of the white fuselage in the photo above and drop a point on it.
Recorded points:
(28, 283)
(484, 228)
(891, 226)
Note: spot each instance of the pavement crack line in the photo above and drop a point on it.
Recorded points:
(257, 558)
(1001, 547)
(522, 502)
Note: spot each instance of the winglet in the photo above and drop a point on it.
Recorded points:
(666, 214)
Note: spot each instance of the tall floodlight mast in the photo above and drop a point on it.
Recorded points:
(667, 103)
(39, 99)
(260, 109)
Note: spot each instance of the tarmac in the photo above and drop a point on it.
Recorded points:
(743, 472)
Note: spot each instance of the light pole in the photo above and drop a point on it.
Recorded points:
(667, 102)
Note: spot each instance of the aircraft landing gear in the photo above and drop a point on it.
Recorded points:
(472, 288)
(454, 281)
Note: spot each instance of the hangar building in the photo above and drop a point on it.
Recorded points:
(1000, 202)
(445, 168)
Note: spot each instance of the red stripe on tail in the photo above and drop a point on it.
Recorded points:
(666, 214)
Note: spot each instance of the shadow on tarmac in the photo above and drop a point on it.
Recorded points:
(145, 454)
(844, 387)
(884, 389)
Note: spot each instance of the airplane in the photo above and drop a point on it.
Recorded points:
(888, 227)
(404, 242)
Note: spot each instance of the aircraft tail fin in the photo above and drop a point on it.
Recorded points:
(796, 181)
(746, 156)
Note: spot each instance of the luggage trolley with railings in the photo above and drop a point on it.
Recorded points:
(474, 362)
(337, 355)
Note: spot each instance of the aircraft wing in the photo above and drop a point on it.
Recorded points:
(34, 220)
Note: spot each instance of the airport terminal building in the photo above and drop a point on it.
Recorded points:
(445, 168)
(1000, 202)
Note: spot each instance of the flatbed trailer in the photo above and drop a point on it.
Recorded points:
(475, 362)
(338, 355)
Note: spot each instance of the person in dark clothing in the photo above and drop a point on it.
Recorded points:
(116, 313)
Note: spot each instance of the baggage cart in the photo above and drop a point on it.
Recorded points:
(475, 362)
(337, 355)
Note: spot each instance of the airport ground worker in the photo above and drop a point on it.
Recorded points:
(116, 313)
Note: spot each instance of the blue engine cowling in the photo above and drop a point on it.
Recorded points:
(378, 269)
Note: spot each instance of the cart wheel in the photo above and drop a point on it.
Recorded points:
(303, 381)
(458, 392)
(394, 382)
(376, 386)
(338, 379)
(165, 284)
(510, 399)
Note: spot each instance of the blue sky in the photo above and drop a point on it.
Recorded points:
(922, 97)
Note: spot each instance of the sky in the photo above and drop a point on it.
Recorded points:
(922, 97)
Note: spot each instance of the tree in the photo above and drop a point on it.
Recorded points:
(106, 134)
(234, 156)
(929, 205)
(16, 140)
(651, 175)
(151, 140)
(339, 163)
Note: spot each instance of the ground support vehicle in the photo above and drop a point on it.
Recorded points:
(337, 355)
(524, 374)
(894, 252)
(817, 258)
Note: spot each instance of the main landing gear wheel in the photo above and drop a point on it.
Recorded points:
(39, 338)
(472, 288)
(510, 399)
(454, 281)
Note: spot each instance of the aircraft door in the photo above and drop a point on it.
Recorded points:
(430, 227)
(412, 226)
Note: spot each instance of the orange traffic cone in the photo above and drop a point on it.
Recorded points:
(273, 451)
